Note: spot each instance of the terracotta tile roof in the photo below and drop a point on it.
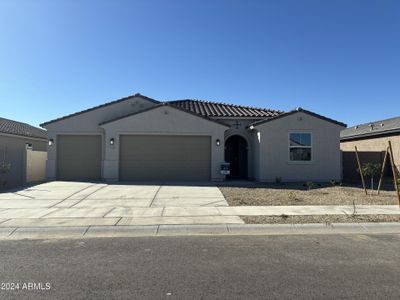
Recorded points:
(165, 104)
(384, 127)
(217, 109)
(22, 129)
(200, 107)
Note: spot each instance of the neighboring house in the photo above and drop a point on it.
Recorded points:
(140, 139)
(371, 140)
(23, 148)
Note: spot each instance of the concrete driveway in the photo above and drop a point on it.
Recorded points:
(77, 204)
(98, 195)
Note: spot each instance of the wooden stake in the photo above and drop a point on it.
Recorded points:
(394, 171)
(382, 170)
(361, 172)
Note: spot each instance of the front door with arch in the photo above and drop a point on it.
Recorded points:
(236, 155)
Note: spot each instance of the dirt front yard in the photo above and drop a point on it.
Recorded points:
(327, 219)
(297, 194)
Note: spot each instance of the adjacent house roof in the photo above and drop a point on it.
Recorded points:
(99, 106)
(157, 106)
(21, 129)
(373, 129)
(299, 109)
(217, 109)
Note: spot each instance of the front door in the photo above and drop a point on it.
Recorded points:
(236, 155)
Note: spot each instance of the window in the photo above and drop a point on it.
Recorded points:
(300, 148)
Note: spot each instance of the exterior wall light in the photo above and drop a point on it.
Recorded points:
(51, 142)
(218, 142)
(112, 141)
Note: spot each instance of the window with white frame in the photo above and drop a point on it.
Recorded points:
(300, 147)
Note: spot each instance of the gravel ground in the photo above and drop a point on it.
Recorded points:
(320, 219)
(297, 194)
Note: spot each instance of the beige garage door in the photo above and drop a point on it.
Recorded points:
(79, 157)
(166, 158)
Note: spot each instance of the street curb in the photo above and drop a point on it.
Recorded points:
(196, 230)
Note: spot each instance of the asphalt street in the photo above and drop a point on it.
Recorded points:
(203, 267)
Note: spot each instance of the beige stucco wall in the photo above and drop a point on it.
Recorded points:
(88, 123)
(274, 149)
(162, 120)
(375, 145)
(13, 150)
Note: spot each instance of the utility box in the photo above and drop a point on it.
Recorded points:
(225, 168)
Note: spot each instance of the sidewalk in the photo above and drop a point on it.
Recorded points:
(120, 216)
(19, 223)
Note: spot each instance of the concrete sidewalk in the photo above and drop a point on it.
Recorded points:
(122, 216)
(186, 230)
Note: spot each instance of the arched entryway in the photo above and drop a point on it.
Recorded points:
(236, 155)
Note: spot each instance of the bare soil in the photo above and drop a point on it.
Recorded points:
(297, 194)
(327, 219)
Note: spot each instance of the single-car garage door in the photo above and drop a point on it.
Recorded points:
(165, 157)
(79, 157)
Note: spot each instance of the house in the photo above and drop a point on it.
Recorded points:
(371, 140)
(140, 139)
(22, 153)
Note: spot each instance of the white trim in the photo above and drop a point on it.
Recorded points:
(301, 162)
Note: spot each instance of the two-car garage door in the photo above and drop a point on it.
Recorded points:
(164, 157)
(142, 157)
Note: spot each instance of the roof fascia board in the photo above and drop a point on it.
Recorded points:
(297, 110)
(371, 135)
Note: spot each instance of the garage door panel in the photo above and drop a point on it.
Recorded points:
(79, 157)
(165, 158)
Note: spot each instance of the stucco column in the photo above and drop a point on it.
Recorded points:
(111, 156)
(217, 156)
(51, 162)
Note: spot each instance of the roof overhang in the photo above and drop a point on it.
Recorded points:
(297, 110)
(99, 106)
(371, 135)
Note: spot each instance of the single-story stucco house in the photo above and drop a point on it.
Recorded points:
(22, 153)
(141, 139)
(371, 140)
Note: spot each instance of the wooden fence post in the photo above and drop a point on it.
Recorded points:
(361, 172)
(382, 170)
(394, 172)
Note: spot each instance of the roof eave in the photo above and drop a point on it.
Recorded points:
(370, 134)
(97, 107)
(297, 110)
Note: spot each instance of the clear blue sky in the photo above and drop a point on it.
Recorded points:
(339, 58)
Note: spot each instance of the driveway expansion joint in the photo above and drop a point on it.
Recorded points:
(155, 196)
(109, 212)
(84, 198)
(77, 192)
